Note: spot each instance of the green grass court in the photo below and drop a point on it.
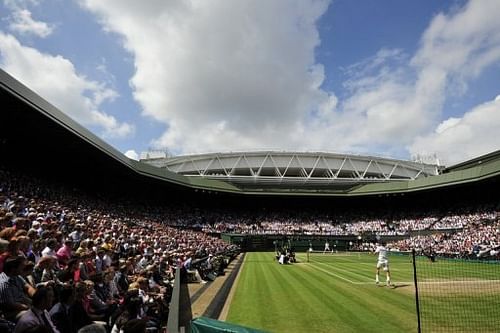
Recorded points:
(337, 293)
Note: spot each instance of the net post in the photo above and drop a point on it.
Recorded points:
(416, 290)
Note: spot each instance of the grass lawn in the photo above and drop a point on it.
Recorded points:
(337, 293)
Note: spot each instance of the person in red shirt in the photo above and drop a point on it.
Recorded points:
(65, 252)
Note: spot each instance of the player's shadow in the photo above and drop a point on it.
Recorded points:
(395, 286)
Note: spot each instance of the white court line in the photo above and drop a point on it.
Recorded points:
(459, 281)
(340, 269)
(332, 274)
(358, 263)
(382, 283)
(367, 263)
(405, 282)
(343, 278)
(436, 282)
(329, 254)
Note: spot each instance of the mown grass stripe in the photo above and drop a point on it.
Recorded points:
(325, 296)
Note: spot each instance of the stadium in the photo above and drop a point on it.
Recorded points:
(237, 241)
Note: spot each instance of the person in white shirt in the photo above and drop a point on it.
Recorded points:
(281, 260)
(327, 247)
(383, 263)
(49, 250)
(99, 264)
(76, 235)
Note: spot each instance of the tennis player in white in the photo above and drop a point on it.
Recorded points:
(327, 247)
(382, 262)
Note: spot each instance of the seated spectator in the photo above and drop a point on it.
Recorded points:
(99, 306)
(121, 279)
(193, 273)
(8, 233)
(130, 309)
(40, 267)
(78, 311)
(50, 249)
(76, 235)
(99, 263)
(27, 278)
(49, 274)
(24, 245)
(60, 312)
(109, 281)
(4, 244)
(65, 252)
(86, 265)
(35, 253)
(38, 315)
(13, 298)
(12, 247)
(71, 273)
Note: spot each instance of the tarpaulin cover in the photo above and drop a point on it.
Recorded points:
(207, 325)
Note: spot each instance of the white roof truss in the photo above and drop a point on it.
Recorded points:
(298, 168)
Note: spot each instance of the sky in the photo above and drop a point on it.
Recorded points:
(401, 79)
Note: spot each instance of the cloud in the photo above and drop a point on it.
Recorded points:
(23, 23)
(132, 154)
(15, 4)
(458, 139)
(455, 49)
(470, 36)
(223, 74)
(56, 79)
(226, 75)
(395, 98)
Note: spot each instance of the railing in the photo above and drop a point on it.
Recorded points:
(180, 314)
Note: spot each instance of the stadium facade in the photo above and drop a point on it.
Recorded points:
(38, 138)
(35, 133)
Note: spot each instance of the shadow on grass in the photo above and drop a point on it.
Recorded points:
(396, 286)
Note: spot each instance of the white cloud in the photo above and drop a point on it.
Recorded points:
(222, 74)
(14, 4)
(21, 20)
(55, 79)
(470, 36)
(23, 23)
(132, 154)
(448, 123)
(226, 75)
(455, 49)
(394, 100)
(458, 139)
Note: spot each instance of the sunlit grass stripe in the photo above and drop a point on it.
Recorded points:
(363, 271)
(402, 271)
(307, 297)
(327, 305)
(353, 276)
(362, 304)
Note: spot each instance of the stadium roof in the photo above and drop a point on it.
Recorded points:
(292, 170)
(36, 136)
(478, 161)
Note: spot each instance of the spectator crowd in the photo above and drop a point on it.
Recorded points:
(70, 261)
